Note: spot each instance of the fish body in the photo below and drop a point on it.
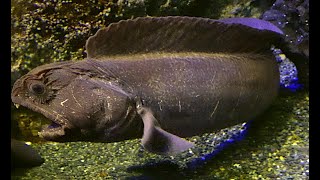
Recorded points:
(171, 77)
(214, 90)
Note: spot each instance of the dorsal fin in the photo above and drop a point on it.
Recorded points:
(182, 34)
(253, 23)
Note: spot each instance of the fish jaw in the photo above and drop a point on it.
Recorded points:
(59, 124)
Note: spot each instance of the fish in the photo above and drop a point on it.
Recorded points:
(24, 156)
(160, 79)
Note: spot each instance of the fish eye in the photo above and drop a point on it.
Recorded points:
(37, 88)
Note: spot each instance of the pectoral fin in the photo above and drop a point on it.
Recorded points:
(157, 140)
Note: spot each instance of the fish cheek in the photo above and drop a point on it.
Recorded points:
(92, 105)
(78, 104)
(114, 108)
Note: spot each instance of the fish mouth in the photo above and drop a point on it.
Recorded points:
(52, 132)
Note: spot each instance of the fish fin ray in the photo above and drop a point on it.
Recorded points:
(182, 34)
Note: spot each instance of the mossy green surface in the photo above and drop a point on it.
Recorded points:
(276, 146)
(56, 30)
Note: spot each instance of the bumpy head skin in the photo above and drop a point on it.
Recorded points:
(80, 105)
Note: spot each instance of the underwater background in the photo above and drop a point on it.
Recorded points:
(274, 147)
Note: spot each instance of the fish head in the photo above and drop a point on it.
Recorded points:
(80, 106)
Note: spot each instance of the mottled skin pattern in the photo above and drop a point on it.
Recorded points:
(161, 93)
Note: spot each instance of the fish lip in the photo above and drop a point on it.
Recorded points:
(47, 132)
(52, 133)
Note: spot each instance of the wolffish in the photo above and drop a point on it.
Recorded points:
(159, 78)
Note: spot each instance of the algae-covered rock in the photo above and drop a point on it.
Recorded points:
(245, 8)
(48, 31)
